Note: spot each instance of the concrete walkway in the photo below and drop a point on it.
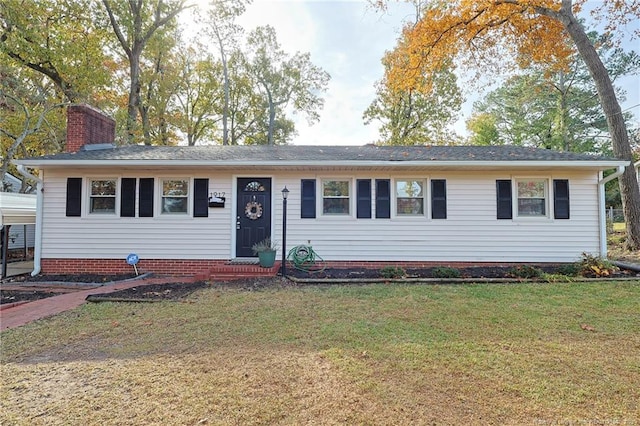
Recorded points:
(19, 268)
(25, 313)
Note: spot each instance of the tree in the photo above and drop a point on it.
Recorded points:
(159, 78)
(410, 117)
(482, 31)
(484, 130)
(247, 108)
(556, 109)
(284, 79)
(44, 35)
(30, 117)
(134, 23)
(222, 27)
(199, 94)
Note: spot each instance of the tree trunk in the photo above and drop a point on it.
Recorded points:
(272, 118)
(225, 107)
(629, 188)
(134, 96)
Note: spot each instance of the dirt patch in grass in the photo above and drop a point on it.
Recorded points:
(151, 292)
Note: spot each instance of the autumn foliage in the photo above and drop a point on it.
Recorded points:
(485, 35)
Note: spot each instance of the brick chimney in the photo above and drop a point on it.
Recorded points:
(87, 125)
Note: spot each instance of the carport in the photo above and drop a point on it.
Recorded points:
(15, 209)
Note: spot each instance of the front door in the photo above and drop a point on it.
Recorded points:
(253, 221)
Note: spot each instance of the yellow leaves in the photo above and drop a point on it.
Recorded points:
(490, 33)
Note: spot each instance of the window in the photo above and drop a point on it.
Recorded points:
(254, 186)
(335, 197)
(532, 197)
(102, 198)
(175, 196)
(409, 197)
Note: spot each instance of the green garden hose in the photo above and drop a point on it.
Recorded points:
(306, 259)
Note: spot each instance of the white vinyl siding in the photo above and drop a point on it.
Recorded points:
(471, 232)
(109, 236)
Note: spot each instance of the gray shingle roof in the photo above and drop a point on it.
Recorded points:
(217, 154)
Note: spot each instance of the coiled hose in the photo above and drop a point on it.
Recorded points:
(306, 259)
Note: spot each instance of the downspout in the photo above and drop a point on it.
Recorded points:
(37, 244)
(602, 208)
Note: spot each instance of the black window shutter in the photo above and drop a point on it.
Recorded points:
(146, 197)
(383, 198)
(74, 197)
(438, 199)
(503, 190)
(201, 198)
(364, 198)
(561, 198)
(128, 197)
(308, 201)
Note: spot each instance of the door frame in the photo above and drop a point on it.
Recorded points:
(234, 206)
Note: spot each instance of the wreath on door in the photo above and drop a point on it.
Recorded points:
(253, 210)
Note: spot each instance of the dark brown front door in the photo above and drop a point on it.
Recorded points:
(253, 221)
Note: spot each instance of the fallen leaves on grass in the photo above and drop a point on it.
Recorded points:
(587, 327)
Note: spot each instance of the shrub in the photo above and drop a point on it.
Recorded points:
(569, 269)
(445, 272)
(595, 266)
(526, 271)
(393, 272)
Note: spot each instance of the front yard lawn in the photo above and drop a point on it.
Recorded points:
(535, 354)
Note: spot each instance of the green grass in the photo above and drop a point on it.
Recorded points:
(374, 354)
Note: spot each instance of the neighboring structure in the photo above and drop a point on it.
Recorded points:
(187, 209)
(17, 232)
(17, 213)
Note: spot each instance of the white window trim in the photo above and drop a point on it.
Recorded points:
(320, 197)
(426, 198)
(160, 195)
(547, 194)
(87, 191)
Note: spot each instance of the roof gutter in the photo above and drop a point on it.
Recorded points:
(604, 164)
(37, 245)
(603, 214)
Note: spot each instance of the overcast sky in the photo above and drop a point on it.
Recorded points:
(348, 38)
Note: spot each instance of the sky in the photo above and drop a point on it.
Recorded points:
(348, 38)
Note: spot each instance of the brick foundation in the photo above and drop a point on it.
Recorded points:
(120, 266)
(203, 267)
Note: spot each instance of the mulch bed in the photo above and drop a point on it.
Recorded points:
(180, 290)
(151, 293)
